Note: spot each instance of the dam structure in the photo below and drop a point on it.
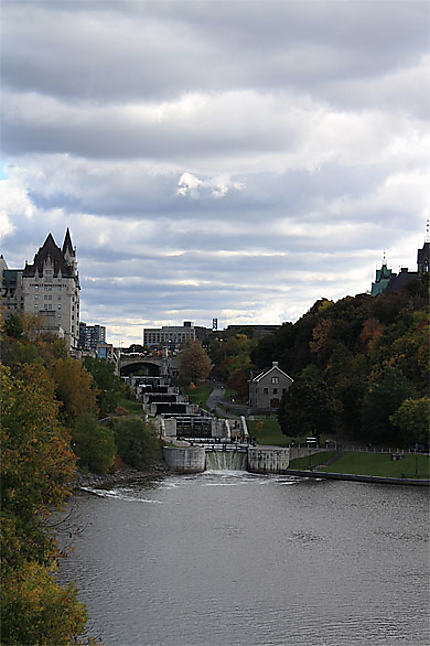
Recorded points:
(227, 457)
(196, 440)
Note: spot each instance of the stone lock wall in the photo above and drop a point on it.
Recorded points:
(189, 459)
(261, 460)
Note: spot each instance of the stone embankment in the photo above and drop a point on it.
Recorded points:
(359, 478)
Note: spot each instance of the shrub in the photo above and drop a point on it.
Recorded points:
(137, 443)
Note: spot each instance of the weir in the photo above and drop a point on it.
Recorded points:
(226, 460)
(195, 459)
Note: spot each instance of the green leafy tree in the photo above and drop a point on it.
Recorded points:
(412, 419)
(307, 408)
(382, 401)
(93, 444)
(109, 386)
(13, 326)
(137, 442)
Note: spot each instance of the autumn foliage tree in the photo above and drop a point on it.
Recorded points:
(194, 363)
(37, 469)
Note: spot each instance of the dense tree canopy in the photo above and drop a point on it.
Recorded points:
(353, 343)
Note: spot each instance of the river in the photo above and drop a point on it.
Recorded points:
(231, 558)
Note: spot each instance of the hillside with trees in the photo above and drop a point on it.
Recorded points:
(360, 367)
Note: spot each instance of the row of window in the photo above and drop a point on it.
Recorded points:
(274, 390)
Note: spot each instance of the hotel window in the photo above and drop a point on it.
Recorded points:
(275, 391)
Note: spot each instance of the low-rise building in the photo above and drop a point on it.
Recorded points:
(267, 388)
(173, 336)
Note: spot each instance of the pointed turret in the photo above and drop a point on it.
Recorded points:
(67, 244)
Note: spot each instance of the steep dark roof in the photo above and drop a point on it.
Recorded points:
(49, 248)
(67, 244)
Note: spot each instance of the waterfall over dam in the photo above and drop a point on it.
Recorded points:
(195, 459)
(226, 460)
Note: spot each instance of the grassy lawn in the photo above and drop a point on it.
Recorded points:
(132, 405)
(380, 464)
(316, 459)
(269, 433)
(199, 394)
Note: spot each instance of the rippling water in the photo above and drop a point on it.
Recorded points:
(236, 559)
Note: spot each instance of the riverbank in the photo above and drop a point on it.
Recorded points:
(121, 476)
(358, 478)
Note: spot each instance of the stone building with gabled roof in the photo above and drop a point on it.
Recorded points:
(267, 388)
(48, 287)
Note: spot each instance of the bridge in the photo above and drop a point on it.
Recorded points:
(151, 365)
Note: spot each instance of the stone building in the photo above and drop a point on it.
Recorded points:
(388, 281)
(267, 388)
(48, 287)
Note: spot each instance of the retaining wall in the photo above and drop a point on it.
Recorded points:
(261, 460)
(190, 459)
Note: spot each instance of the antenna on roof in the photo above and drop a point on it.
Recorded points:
(427, 239)
(384, 258)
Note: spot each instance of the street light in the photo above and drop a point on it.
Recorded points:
(311, 441)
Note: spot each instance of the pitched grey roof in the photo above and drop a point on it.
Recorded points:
(266, 371)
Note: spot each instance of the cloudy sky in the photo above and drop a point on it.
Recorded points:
(221, 159)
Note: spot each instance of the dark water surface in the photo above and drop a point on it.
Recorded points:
(233, 558)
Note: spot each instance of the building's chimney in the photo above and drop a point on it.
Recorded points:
(275, 364)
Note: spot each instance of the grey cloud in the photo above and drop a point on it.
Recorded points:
(148, 50)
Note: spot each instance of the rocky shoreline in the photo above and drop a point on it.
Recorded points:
(126, 474)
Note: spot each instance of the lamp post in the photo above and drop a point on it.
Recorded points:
(310, 441)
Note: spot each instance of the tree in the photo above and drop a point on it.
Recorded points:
(194, 363)
(37, 464)
(37, 471)
(13, 326)
(137, 442)
(93, 444)
(75, 389)
(382, 401)
(109, 386)
(36, 610)
(307, 408)
(412, 420)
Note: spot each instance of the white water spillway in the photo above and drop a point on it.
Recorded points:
(226, 460)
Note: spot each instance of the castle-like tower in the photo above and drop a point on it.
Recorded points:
(48, 287)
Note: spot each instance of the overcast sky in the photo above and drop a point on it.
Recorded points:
(220, 159)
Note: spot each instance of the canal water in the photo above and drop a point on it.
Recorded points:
(231, 558)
